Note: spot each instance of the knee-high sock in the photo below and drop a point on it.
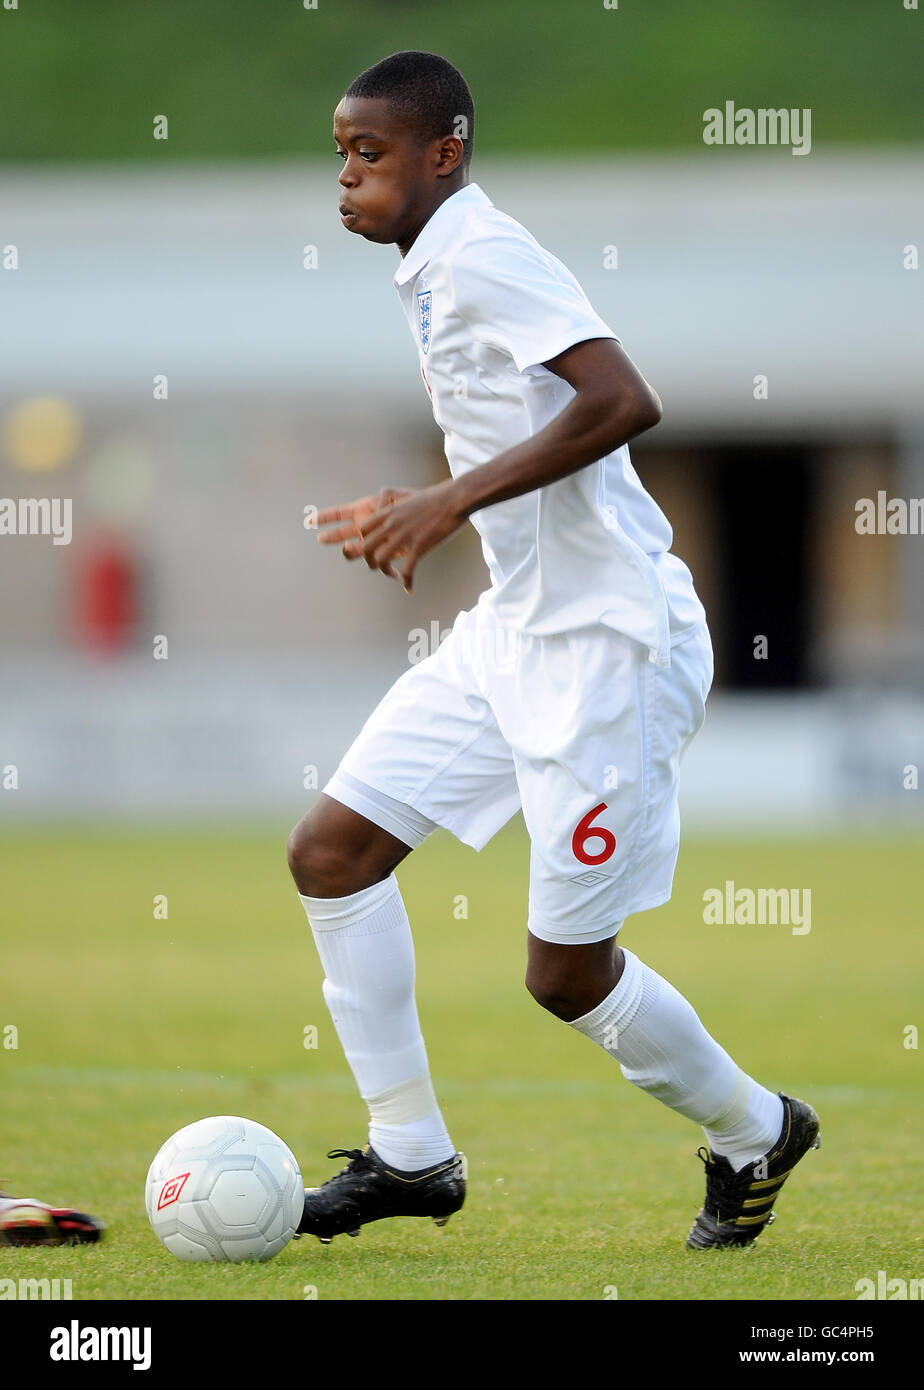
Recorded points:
(663, 1048)
(365, 944)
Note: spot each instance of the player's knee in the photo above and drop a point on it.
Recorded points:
(570, 981)
(333, 852)
(317, 863)
(554, 991)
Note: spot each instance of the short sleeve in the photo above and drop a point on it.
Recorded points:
(521, 300)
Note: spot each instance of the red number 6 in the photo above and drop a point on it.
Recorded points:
(584, 831)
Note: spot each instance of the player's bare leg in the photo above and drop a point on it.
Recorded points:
(755, 1137)
(343, 865)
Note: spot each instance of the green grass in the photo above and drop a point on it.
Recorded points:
(251, 80)
(130, 1027)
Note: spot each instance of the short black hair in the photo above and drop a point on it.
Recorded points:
(424, 91)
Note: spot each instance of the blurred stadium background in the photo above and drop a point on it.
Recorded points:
(131, 261)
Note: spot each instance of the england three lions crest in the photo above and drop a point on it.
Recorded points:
(424, 300)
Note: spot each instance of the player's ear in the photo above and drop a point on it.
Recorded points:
(449, 154)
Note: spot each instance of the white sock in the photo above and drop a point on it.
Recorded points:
(662, 1047)
(365, 944)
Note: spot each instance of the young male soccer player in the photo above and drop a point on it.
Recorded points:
(572, 688)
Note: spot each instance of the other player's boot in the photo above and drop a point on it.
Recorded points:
(367, 1189)
(25, 1221)
(739, 1205)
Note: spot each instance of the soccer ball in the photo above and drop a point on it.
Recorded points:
(224, 1189)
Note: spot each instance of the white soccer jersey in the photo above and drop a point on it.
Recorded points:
(487, 305)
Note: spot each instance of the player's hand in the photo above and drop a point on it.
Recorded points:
(410, 526)
(352, 515)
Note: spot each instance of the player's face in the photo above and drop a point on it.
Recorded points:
(384, 192)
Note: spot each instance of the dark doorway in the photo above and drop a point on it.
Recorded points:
(764, 503)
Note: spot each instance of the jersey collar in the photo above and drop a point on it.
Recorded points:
(437, 229)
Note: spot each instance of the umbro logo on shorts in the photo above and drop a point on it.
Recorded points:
(589, 877)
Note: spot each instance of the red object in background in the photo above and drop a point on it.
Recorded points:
(107, 597)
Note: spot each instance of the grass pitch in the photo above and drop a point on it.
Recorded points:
(580, 1187)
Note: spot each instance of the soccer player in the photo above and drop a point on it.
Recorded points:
(26, 1221)
(571, 689)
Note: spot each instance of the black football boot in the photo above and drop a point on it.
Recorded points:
(739, 1205)
(368, 1189)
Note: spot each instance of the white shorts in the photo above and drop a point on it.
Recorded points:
(579, 729)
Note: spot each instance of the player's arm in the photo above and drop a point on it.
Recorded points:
(612, 404)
